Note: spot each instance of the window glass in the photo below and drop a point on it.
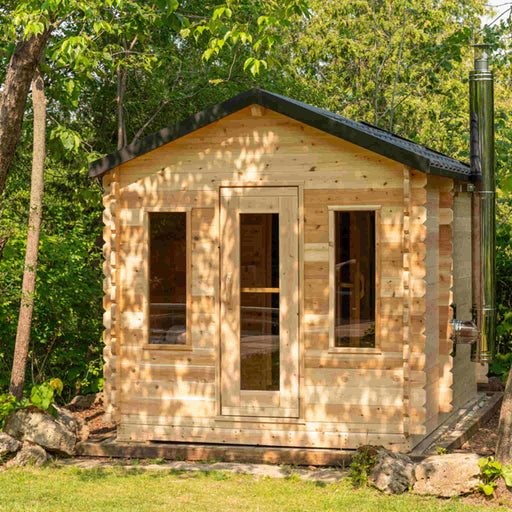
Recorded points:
(259, 301)
(354, 279)
(168, 278)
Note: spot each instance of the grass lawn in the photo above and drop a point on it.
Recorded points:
(114, 489)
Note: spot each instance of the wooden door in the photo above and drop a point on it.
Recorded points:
(259, 301)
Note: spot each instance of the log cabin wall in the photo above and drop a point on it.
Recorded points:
(348, 396)
(110, 299)
(439, 278)
(446, 274)
(464, 371)
(432, 315)
(415, 336)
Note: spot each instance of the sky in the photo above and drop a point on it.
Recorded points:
(500, 6)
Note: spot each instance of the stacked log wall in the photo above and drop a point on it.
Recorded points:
(348, 397)
(111, 298)
(464, 371)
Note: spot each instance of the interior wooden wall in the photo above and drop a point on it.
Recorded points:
(348, 397)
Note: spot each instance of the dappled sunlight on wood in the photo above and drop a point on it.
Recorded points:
(223, 386)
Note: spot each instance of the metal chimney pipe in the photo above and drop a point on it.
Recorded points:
(481, 95)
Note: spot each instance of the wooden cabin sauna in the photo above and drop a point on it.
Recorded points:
(278, 275)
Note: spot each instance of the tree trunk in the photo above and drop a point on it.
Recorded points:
(3, 243)
(121, 123)
(34, 227)
(25, 58)
(504, 445)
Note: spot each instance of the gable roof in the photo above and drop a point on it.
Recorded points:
(365, 135)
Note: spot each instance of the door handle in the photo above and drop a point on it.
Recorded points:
(229, 290)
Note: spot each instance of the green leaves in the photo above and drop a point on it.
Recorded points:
(7, 405)
(68, 138)
(506, 472)
(42, 395)
(255, 29)
(254, 65)
(490, 471)
(57, 385)
(220, 11)
(506, 183)
(501, 364)
(487, 489)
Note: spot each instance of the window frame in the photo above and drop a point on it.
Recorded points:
(332, 209)
(147, 296)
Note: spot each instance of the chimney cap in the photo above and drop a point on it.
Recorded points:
(482, 51)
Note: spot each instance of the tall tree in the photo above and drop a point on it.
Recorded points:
(34, 229)
(20, 70)
(94, 40)
(399, 65)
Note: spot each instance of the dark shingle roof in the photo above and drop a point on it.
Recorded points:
(365, 135)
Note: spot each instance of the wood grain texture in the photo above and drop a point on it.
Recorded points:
(464, 371)
(446, 274)
(415, 303)
(111, 289)
(383, 397)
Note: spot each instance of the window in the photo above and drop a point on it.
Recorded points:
(259, 301)
(168, 278)
(353, 289)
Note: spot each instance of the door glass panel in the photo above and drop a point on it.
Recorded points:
(168, 278)
(355, 279)
(259, 301)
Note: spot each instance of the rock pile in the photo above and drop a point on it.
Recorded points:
(33, 434)
(454, 474)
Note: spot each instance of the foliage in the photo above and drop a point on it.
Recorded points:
(490, 471)
(362, 463)
(7, 405)
(67, 321)
(501, 366)
(398, 65)
(506, 472)
(237, 25)
(42, 396)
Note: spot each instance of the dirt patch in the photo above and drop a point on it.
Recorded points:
(93, 417)
(502, 497)
(485, 438)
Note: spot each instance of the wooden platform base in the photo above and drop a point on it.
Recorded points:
(457, 429)
(210, 452)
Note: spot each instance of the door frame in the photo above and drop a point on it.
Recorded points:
(272, 413)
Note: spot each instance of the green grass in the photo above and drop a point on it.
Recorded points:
(116, 489)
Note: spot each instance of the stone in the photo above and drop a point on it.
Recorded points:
(72, 422)
(82, 402)
(30, 455)
(66, 418)
(453, 474)
(8, 444)
(392, 473)
(40, 427)
(82, 431)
